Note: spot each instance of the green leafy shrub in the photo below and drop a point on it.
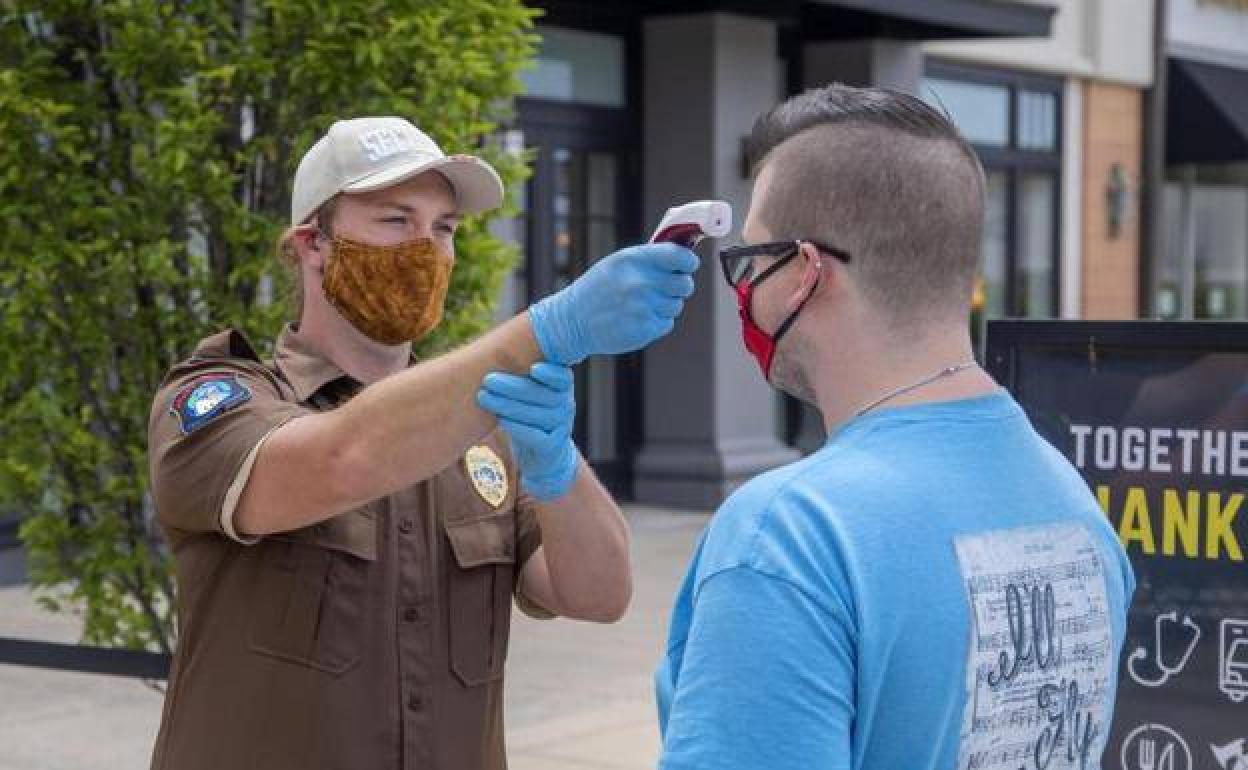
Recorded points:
(146, 153)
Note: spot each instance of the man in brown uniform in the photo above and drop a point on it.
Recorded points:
(347, 524)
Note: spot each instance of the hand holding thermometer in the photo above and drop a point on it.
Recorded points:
(629, 299)
(691, 222)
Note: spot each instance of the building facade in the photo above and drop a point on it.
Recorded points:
(636, 106)
(1196, 263)
(1063, 230)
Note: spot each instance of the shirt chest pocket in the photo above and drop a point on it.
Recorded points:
(312, 592)
(480, 576)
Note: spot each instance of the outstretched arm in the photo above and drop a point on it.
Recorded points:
(409, 426)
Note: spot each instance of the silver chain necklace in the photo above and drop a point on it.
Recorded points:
(947, 371)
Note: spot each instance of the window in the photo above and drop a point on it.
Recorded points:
(1013, 121)
(577, 66)
(580, 204)
(981, 111)
(1203, 272)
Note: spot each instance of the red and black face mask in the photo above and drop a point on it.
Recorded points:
(738, 271)
(761, 344)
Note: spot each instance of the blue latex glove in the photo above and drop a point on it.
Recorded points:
(537, 413)
(623, 303)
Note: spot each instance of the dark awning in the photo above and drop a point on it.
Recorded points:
(1206, 113)
(926, 19)
(895, 19)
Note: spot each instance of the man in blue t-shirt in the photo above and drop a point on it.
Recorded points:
(935, 587)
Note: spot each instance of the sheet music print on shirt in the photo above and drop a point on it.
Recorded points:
(1041, 653)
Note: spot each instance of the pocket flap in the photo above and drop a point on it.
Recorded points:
(353, 532)
(489, 539)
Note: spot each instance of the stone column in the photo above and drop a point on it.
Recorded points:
(710, 419)
(887, 63)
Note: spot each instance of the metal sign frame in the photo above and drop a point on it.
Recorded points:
(1005, 338)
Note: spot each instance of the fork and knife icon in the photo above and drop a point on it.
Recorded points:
(1155, 747)
(1148, 758)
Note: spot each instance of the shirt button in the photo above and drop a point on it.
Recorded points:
(405, 526)
(415, 702)
(411, 614)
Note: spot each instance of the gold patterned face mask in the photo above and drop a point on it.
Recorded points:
(392, 294)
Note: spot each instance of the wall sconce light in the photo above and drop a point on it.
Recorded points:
(1117, 196)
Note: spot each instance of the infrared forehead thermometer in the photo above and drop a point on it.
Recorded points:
(692, 222)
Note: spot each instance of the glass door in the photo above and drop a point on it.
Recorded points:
(580, 205)
(586, 229)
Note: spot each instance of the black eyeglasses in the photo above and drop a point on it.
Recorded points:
(738, 261)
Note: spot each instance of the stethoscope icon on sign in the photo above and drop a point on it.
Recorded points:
(1166, 669)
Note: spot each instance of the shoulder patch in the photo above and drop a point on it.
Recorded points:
(207, 397)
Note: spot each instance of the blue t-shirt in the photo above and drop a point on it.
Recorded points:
(936, 587)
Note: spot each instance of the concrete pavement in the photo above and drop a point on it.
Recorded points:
(579, 696)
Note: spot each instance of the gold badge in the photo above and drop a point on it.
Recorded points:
(488, 474)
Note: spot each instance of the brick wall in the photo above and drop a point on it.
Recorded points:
(1112, 127)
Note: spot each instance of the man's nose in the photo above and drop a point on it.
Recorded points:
(421, 230)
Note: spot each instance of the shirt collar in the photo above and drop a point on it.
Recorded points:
(307, 369)
(304, 367)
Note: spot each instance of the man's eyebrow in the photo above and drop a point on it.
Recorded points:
(406, 209)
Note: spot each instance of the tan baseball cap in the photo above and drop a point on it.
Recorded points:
(365, 154)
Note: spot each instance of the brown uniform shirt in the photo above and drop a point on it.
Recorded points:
(374, 639)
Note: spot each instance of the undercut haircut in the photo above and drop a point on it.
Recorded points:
(886, 177)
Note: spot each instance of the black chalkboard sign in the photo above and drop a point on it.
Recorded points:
(1155, 417)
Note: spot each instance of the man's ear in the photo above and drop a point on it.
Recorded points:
(312, 246)
(812, 261)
